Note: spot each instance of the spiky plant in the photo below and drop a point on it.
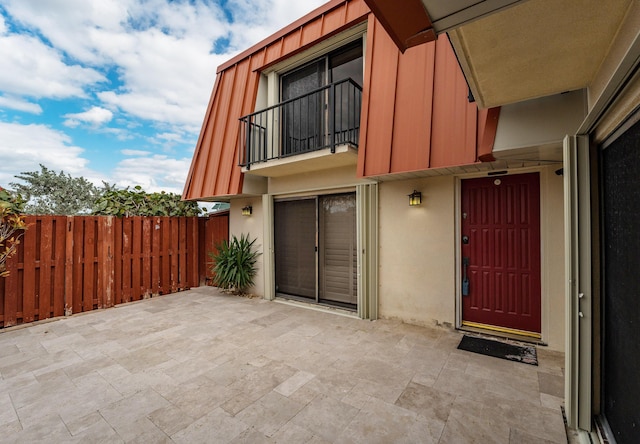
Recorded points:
(234, 264)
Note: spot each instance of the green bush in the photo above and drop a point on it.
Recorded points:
(137, 202)
(234, 264)
(12, 226)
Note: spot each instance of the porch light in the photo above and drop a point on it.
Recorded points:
(246, 211)
(415, 198)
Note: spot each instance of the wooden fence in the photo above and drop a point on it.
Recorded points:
(67, 265)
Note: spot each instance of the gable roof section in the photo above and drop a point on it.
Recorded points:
(416, 113)
(214, 168)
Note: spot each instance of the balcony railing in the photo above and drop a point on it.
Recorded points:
(324, 118)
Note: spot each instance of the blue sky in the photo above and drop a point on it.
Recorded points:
(116, 90)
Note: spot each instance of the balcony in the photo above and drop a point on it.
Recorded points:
(314, 131)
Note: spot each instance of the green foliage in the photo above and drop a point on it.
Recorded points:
(12, 226)
(234, 264)
(137, 202)
(48, 192)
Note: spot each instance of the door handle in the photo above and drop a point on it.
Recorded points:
(465, 240)
(465, 278)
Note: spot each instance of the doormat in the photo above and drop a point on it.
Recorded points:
(512, 352)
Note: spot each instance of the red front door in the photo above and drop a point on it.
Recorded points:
(501, 247)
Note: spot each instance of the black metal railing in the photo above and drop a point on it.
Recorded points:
(324, 118)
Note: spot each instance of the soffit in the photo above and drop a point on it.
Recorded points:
(537, 48)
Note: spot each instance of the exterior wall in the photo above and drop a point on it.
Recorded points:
(417, 252)
(312, 182)
(418, 247)
(253, 226)
(552, 252)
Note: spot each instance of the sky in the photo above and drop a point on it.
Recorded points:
(116, 90)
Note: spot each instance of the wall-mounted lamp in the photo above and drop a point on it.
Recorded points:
(246, 211)
(415, 198)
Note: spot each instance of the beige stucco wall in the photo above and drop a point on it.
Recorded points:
(417, 252)
(417, 245)
(552, 249)
(253, 226)
(309, 183)
(417, 274)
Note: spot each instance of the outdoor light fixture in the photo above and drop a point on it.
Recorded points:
(415, 198)
(246, 211)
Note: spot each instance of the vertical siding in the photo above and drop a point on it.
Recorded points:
(214, 169)
(453, 138)
(415, 112)
(378, 101)
(412, 119)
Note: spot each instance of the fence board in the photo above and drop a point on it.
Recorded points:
(44, 257)
(58, 239)
(12, 284)
(105, 260)
(146, 277)
(68, 269)
(29, 270)
(117, 260)
(156, 255)
(71, 264)
(173, 251)
(212, 231)
(136, 242)
(166, 256)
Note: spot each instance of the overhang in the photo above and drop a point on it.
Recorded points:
(537, 48)
(516, 50)
(343, 155)
(412, 22)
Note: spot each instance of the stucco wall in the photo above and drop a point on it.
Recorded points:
(417, 252)
(417, 274)
(253, 226)
(552, 238)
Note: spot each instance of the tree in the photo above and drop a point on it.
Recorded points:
(48, 192)
(12, 226)
(137, 202)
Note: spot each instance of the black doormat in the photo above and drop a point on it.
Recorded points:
(512, 352)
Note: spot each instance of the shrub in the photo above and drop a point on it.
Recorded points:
(137, 202)
(234, 264)
(12, 227)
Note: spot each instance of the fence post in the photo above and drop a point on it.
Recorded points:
(193, 245)
(105, 259)
(68, 268)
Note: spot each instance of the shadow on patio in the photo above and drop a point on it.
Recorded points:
(200, 366)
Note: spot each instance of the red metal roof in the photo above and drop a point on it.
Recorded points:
(415, 112)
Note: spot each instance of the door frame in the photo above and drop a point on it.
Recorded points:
(367, 241)
(544, 299)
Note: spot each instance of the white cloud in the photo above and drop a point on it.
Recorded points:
(139, 153)
(20, 105)
(162, 50)
(170, 137)
(32, 69)
(24, 147)
(153, 173)
(95, 116)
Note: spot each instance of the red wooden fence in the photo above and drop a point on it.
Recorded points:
(68, 265)
(213, 229)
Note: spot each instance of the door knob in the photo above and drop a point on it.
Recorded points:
(465, 240)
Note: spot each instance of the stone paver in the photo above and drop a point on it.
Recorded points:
(204, 367)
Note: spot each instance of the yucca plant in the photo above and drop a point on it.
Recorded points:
(234, 264)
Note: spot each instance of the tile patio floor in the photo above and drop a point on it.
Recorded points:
(201, 367)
